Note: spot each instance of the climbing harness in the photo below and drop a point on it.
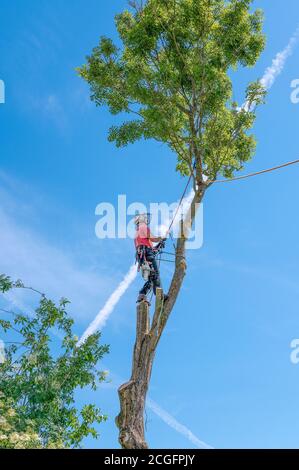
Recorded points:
(144, 265)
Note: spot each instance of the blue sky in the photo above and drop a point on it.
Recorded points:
(223, 366)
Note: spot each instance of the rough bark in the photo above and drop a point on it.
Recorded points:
(132, 394)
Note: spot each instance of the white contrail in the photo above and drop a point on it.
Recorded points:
(277, 66)
(105, 312)
(279, 61)
(174, 424)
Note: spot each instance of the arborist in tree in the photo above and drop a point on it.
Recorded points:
(146, 254)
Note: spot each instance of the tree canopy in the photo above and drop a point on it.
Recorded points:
(170, 73)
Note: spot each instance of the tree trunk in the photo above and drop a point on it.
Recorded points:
(132, 394)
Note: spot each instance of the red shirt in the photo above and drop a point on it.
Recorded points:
(142, 236)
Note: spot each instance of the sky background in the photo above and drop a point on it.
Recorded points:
(223, 366)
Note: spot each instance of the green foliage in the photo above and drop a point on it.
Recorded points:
(38, 385)
(172, 74)
(6, 283)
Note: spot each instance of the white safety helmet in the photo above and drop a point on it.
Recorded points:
(142, 219)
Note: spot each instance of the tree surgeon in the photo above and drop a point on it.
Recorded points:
(146, 256)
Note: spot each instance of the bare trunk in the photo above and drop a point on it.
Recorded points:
(132, 394)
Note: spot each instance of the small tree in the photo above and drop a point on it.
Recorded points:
(38, 380)
(172, 76)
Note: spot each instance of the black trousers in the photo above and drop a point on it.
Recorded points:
(154, 279)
